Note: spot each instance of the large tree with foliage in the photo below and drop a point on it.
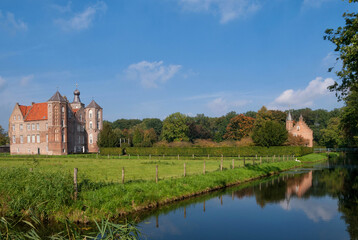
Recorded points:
(239, 127)
(175, 128)
(349, 119)
(270, 133)
(106, 137)
(345, 40)
(3, 136)
(331, 136)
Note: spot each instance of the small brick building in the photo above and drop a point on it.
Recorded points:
(299, 129)
(55, 127)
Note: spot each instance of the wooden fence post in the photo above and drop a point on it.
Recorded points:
(123, 175)
(208, 156)
(204, 171)
(221, 164)
(184, 170)
(137, 156)
(193, 155)
(108, 156)
(233, 163)
(150, 156)
(178, 156)
(244, 161)
(156, 173)
(97, 155)
(75, 170)
(30, 169)
(129, 156)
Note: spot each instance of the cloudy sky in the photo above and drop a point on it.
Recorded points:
(150, 58)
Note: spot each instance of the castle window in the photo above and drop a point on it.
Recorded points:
(81, 117)
(21, 139)
(13, 127)
(97, 125)
(90, 125)
(18, 117)
(83, 139)
(14, 117)
(38, 126)
(90, 113)
(28, 139)
(28, 127)
(21, 127)
(33, 126)
(13, 139)
(38, 138)
(99, 115)
(46, 137)
(63, 138)
(33, 138)
(298, 128)
(91, 139)
(63, 109)
(46, 126)
(62, 122)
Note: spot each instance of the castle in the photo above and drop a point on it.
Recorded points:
(299, 129)
(55, 127)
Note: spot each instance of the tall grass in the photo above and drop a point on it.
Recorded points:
(22, 190)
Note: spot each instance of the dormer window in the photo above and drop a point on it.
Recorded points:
(90, 113)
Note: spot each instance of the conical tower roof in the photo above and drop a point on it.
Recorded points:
(289, 117)
(93, 104)
(57, 97)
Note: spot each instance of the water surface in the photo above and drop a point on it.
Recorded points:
(318, 202)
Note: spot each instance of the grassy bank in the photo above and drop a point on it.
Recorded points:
(51, 194)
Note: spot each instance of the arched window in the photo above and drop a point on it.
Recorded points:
(90, 113)
(91, 139)
(98, 115)
(91, 125)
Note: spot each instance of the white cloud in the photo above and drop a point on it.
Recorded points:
(150, 74)
(26, 79)
(10, 23)
(63, 9)
(228, 10)
(315, 209)
(82, 20)
(317, 88)
(221, 105)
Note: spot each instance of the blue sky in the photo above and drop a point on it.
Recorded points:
(151, 58)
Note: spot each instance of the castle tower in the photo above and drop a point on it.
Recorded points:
(57, 124)
(94, 123)
(289, 122)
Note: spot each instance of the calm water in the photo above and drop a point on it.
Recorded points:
(320, 202)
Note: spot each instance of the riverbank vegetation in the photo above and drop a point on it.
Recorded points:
(47, 188)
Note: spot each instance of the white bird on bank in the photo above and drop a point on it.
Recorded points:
(297, 160)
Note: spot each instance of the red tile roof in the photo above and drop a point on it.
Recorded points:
(38, 111)
(24, 110)
(75, 110)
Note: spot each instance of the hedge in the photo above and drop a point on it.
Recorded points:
(212, 151)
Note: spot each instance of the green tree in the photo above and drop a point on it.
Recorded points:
(239, 127)
(154, 123)
(138, 136)
(149, 137)
(345, 40)
(349, 119)
(270, 133)
(175, 128)
(220, 124)
(106, 137)
(331, 136)
(3, 136)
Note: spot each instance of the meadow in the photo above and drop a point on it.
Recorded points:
(44, 185)
(99, 168)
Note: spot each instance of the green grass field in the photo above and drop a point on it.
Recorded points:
(48, 189)
(104, 169)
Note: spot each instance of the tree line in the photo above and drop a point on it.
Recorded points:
(263, 128)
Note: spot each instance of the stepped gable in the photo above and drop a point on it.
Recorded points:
(93, 104)
(57, 97)
(24, 110)
(38, 111)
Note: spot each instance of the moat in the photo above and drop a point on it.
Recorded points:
(316, 202)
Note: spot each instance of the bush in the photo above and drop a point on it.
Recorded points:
(216, 151)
